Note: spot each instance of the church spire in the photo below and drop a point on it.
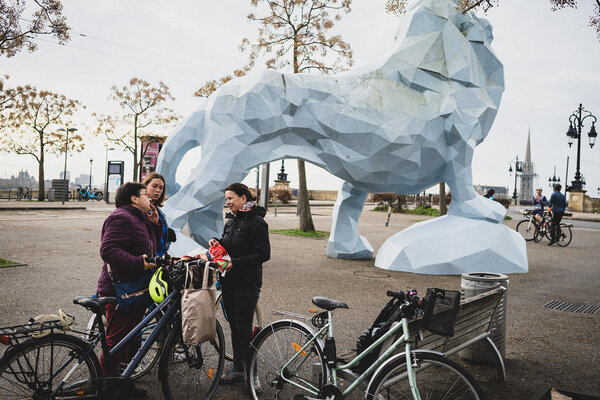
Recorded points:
(528, 149)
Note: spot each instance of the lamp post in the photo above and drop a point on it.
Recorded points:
(553, 180)
(91, 162)
(518, 168)
(66, 189)
(106, 173)
(575, 124)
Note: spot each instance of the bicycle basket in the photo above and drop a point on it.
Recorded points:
(441, 309)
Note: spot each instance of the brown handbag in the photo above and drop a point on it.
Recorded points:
(198, 312)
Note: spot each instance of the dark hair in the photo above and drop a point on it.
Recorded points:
(241, 190)
(156, 175)
(557, 187)
(124, 193)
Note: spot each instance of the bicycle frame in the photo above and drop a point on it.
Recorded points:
(327, 330)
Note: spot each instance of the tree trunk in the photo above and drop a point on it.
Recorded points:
(135, 149)
(306, 222)
(42, 186)
(442, 198)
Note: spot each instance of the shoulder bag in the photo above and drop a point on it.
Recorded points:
(198, 319)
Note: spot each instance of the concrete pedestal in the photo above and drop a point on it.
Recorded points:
(576, 199)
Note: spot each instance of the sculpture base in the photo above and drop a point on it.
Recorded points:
(452, 245)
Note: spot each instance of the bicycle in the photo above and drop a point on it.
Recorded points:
(41, 363)
(563, 231)
(153, 354)
(84, 194)
(289, 360)
(23, 193)
(529, 226)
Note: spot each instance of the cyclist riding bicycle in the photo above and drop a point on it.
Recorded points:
(539, 201)
(558, 202)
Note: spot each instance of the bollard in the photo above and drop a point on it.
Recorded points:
(473, 284)
(387, 220)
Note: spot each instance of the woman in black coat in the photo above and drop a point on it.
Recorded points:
(246, 240)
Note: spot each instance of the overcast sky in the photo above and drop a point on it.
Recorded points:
(551, 62)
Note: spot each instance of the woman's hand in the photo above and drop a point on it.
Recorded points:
(229, 266)
(212, 242)
(147, 265)
(153, 214)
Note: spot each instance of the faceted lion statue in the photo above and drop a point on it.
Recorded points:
(400, 124)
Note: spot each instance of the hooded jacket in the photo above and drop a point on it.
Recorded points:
(246, 240)
(127, 234)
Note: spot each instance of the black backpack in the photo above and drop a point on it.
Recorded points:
(382, 324)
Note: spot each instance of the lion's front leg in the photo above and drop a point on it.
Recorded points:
(344, 241)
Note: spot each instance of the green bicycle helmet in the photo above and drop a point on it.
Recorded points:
(159, 287)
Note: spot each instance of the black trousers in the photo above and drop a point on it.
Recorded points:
(555, 228)
(240, 305)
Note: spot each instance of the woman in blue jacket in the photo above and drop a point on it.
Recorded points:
(156, 187)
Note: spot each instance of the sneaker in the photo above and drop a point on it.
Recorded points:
(256, 385)
(233, 376)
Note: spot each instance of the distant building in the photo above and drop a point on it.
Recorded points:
(62, 173)
(528, 176)
(83, 180)
(22, 179)
(501, 192)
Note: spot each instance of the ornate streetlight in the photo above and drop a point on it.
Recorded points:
(282, 176)
(518, 169)
(66, 189)
(553, 180)
(575, 124)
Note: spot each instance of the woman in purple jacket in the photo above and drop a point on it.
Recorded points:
(129, 235)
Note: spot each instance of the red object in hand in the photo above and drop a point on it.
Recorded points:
(219, 253)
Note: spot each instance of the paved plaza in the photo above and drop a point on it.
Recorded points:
(544, 347)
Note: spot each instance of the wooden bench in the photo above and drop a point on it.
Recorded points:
(473, 325)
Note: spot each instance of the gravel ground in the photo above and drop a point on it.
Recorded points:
(544, 347)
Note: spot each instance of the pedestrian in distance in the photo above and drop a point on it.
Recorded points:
(246, 240)
(490, 194)
(156, 187)
(557, 203)
(539, 201)
(128, 237)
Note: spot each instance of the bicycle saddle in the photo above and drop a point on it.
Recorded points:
(94, 304)
(328, 304)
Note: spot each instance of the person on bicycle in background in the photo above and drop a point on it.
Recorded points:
(128, 237)
(539, 201)
(490, 194)
(246, 240)
(558, 203)
(156, 188)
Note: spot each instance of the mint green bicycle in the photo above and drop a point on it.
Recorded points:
(290, 360)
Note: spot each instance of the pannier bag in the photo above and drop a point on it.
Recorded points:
(198, 319)
(382, 324)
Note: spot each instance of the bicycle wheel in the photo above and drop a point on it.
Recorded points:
(273, 349)
(32, 370)
(437, 378)
(540, 232)
(153, 354)
(527, 229)
(564, 236)
(191, 372)
(100, 196)
(222, 318)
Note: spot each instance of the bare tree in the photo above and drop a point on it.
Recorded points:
(295, 35)
(17, 32)
(33, 120)
(399, 6)
(144, 114)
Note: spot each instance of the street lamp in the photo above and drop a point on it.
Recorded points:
(66, 189)
(575, 124)
(553, 180)
(518, 168)
(91, 162)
